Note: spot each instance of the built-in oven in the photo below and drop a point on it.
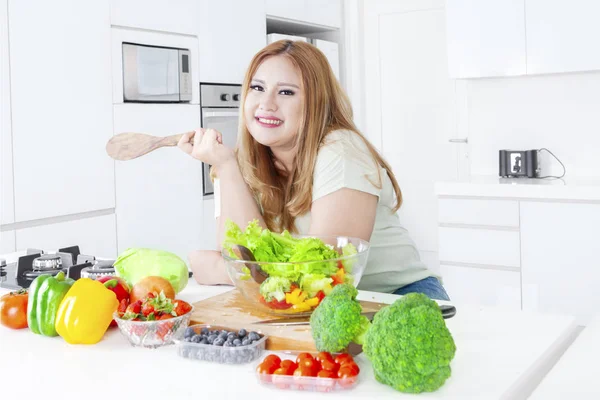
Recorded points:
(219, 110)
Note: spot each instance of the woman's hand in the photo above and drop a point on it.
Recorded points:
(209, 267)
(207, 146)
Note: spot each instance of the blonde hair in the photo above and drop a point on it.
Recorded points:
(285, 195)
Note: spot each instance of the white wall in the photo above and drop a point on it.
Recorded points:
(558, 111)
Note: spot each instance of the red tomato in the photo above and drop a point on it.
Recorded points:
(265, 371)
(272, 359)
(352, 366)
(327, 374)
(320, 295)
(274, 304)
(13, 309)
(347, 371)
(329, 365)
(342, 358)
(323, 355)
(303, 371)
(289, 366)
(310, 363)
(301, 356)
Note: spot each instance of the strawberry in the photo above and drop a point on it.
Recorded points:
(147, 309)
(182, 307)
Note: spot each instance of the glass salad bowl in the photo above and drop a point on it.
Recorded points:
(294, 287)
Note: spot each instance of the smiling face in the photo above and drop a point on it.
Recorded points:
(273, 106)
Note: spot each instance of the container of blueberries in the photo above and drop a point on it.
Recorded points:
(220, 344)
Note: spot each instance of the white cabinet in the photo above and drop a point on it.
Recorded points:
(560, 267)
(482, 286)
(319, 12)
(230, 33)
(7, 242)
(7, 206)
(180, 16)
(479, 251)
(94, 236)
(61, 107)
(562, 36)
(486, 38)
(159, 195)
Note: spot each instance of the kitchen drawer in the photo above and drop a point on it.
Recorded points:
(482, 287)
(503, 213)
(479, 246)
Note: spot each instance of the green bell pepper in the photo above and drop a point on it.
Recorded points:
(45, 294)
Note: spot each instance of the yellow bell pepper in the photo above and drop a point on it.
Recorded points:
(85, 312)
(296, 297)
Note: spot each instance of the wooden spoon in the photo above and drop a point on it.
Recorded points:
(129, 145)
(244, 253)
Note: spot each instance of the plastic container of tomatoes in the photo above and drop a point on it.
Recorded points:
(314, 372)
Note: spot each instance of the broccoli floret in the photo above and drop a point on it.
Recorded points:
(275, 287)
(337, 320)
(410, 346)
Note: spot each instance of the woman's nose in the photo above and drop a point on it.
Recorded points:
(268, 103)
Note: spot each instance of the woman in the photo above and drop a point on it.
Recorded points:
(302, 165)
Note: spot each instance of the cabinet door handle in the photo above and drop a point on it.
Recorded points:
(463, 140)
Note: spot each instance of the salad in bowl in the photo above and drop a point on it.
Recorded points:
(283, 273)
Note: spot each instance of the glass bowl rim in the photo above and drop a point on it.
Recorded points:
(227, 258)
(119, 319)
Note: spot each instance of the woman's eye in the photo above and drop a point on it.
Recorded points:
(256, 87)
(287, 92)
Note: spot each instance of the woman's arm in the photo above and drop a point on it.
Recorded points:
(236, 200)
(345, 212)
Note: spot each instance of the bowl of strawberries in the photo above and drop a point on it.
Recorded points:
(153, 320)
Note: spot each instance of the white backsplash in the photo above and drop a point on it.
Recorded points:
(560, 112)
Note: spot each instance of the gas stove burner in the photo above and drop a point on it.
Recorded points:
(2, 270)
(35, 273)
(99, 269)
(47, 262)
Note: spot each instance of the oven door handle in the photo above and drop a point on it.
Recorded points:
(217, 114)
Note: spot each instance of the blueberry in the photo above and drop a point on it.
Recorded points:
(203, 341)
(204, 331)
(242, 333)
(237, 342)
(218, 342)
(232, 334)
(246, 342)
(189, 332)
(254, 336)
(211, 339)
(228, 344)
(223, 335)
(196, 339)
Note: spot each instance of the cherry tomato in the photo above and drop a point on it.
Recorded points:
(347, 371)
(342, 358)
(13, 309)
(303, 371)
(327, 374)
(352, 366)
(289, 366)
(265, 371)
(323, 355)
(329, 365)
(272, 359)
(310, 363)
(302, 356)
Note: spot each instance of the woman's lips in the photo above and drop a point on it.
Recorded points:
(268, 122)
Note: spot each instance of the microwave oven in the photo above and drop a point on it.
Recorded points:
(156, 74)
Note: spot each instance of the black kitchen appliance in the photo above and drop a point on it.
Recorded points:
(519, 163)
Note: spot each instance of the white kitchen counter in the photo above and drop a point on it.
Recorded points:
(523, 188)
(501, 355)
(575, 374)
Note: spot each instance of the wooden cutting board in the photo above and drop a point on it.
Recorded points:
(232, 310)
